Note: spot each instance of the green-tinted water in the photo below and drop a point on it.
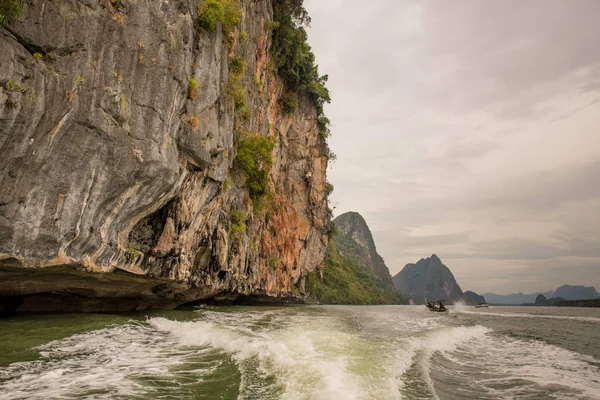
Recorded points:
(385, 352)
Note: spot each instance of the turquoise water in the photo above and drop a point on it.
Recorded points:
(337, 352)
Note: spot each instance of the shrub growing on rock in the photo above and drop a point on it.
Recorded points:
(254, 159)
(238, 224)
(237, 65)
(224, 11)
(192, 88)
(209, 14)
(273, 261)
(290, 103)
(235, 91)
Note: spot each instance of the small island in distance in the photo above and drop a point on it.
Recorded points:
(429, 279)
(564, 296)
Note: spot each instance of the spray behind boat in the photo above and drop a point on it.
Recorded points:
(436, 306)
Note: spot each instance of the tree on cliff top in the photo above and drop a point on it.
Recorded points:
(294, 59)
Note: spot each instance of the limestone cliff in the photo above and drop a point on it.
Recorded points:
(541, 300)
(473, 298)
(570, 292)
(428, 278)
(120, 123)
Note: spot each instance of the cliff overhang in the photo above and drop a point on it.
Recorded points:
(121, 187)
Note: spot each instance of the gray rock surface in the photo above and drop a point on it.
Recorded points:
(103, 178)
(428, 279)
(570, 292)
(473, 298)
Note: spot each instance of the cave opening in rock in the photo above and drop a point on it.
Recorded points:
(145, 234)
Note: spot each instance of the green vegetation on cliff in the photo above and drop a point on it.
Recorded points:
(358, 245)
(254, 158)
(344, 282)
(10, 9)
(354, 272)
(294, 59)
(224, 11)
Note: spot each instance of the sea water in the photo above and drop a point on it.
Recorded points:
(304, 352)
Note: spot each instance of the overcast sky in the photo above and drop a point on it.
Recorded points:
(469, 129)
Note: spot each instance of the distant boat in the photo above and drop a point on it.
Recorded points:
(482, 305)
(432, 306)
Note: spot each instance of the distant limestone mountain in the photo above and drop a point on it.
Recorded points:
(515, 298)
(430, 279)
(569, 292)
(541, 300)
(566, 292)
(357, 243)
(473, 298)
(354, 272)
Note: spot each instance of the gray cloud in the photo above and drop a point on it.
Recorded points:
(483, 275)
(435, 240)
(547, 189)
(525, 249)
(469, 129)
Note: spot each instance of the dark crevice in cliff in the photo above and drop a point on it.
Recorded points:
(150, 108)
(33, 48)
(145, 234)
(87, 125)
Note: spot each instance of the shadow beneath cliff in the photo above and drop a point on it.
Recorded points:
(70, 288)
(231, 299)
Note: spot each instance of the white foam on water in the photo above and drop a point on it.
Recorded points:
(459, 307)
(447, 339)
(419, 325)
(102, 364)
(489, 360)
(309, 359)
(528, 366)
(419, 350)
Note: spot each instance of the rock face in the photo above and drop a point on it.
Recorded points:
(430, 279)
(118, 183)
(473, 298)
(364, 252)
(568, 292)
(541, 300)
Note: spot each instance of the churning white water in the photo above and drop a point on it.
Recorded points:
(386, 352)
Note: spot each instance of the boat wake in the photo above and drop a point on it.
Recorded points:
(300, 353)
(503, 367)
